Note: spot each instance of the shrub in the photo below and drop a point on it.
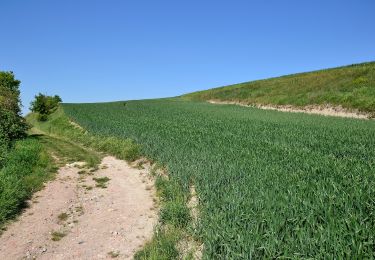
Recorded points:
(44, 105)
(12, 125)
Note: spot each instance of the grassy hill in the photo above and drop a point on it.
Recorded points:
(352, 87)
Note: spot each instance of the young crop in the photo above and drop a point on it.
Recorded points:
(270, 184)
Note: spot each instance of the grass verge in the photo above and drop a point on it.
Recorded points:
(174, 222)
(68, 152)
(27, 167)
(59, 126)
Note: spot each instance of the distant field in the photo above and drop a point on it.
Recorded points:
(352, 87)
(270, 184)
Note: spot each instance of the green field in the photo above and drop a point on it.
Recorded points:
(270, 184)
(352, 87)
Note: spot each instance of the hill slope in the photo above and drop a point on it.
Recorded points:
(352, 87)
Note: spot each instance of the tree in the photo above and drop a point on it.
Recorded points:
(9, 92)
(12, 124)
(44, 105)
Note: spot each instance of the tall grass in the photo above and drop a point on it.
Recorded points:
(270, 184)
(174, 219)
(26, 168)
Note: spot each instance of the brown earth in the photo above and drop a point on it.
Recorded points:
(99, 222)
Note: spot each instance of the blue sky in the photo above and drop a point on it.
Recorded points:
(89, 50)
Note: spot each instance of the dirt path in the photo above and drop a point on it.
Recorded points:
(88, 222)
(311, 109)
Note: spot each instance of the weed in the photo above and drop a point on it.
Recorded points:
(79, 210)
(81, 178)
(139, 165)
(57, 236)
(162, 246)
(101, 182)
(63, 216)
(176, 213)
(114, 254)
(93, 170)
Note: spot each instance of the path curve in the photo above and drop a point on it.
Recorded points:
(100, 223)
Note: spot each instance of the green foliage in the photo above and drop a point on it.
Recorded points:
(27, 167)
(12, 125)
(162, 247)
(4, 143)
(270, 184)
(352, 87)
(9, 92)
(174, 210)
(44, 105)
(176, 213)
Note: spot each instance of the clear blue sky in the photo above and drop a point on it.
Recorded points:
(88, 50)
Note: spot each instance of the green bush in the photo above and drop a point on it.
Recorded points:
(3, 148)
(12, 125)
(44, 105)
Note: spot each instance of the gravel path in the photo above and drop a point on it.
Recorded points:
(71, 218)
